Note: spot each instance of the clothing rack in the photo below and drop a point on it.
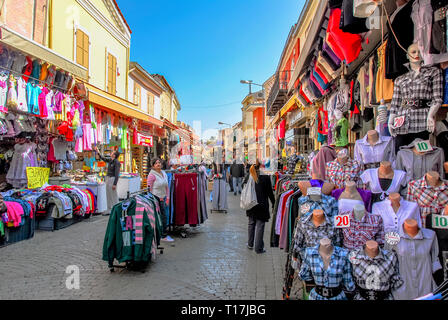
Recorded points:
(127, 265)
(35, 79)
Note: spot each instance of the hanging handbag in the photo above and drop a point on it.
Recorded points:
(248, 195)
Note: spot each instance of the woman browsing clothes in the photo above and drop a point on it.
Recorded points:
(158, 184)
(113, 174)
(259, 214)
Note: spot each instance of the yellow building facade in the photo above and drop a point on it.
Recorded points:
(94, 34)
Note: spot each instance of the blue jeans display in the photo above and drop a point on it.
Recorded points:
(165, 215)
(237, 184)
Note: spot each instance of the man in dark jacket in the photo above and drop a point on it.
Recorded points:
(237, 173)
(259, 214)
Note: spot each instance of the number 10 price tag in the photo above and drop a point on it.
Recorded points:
(342, 221)
(439, 221)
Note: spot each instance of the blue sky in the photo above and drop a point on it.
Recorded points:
(205, 47)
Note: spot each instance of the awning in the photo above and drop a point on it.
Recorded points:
(119, 105)
(292, 102)
(32, 48)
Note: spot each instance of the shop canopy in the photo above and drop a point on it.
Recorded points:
(32, 48)
(292, 102)
(119, 105)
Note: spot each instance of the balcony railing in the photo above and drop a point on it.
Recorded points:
(279, 92)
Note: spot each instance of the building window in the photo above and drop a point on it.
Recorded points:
(82, 49)
(111, 74)
(151, 104)
(137, 94)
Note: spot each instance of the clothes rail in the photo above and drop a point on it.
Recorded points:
(35, 79)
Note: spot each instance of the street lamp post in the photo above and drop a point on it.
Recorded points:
(250, 83)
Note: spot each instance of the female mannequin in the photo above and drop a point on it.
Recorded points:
(417, 96)
(325, 251)
(418, 259)
(395, 210)
(318, 217)
(351, 192)
(384, 265)
(373, 149)
(349, 198)
(384, 181)
(316, 182)
(364, 226)
(430, 193)
(343, 169)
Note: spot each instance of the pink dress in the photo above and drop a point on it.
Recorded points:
(87, 136)
(43, 102)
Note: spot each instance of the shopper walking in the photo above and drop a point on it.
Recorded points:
(158, 185)
(113, 174)
(259, 214)
(237, 173)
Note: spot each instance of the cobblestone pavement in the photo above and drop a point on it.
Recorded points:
(212, 263)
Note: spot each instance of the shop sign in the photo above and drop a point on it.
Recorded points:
(37, 177)
(295, 117)
(143, 140)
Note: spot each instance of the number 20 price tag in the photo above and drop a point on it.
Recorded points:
(342, 221)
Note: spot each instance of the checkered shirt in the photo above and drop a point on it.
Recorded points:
(430, 200)
(427, 85)
(328, 204)
(339, 272)
(380, 273)
(338, 174)
(369, 228)
(306, 234)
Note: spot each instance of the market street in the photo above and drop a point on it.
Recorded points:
(212, 263)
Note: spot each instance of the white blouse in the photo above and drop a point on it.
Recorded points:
(346, 206)
(392, 221)
(370, 176)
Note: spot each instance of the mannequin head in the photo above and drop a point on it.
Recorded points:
(326, 246)
(359, 211)
(410, 226)
(372, 136)
(318, 217)
(414, 56)
(372, 248)
(433, 178)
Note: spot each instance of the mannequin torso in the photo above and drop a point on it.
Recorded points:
(410, 227)
(318, 217)
(372, 137)
(325, 251)
(372, 249)
(395, 201)
(351, 192)
(385, 170)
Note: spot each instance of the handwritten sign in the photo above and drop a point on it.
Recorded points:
(37, 177)
(398, 122)
(423, 146)
(439, 221)
(342, 221)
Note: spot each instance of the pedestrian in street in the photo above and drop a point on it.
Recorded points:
(113, 175)
(259, 214)
(228, 177)
(158, 185)
(237, 173)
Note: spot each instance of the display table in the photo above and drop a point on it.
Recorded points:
(128, 184)
(100, 192)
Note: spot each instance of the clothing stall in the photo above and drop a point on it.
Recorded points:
(375, 207)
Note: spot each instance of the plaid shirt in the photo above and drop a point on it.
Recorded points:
(339, 272)
(380, 273)
(307, 235)
(328, 204)
(338, 174)
(427, 85)
(429, 199)
(369, 228)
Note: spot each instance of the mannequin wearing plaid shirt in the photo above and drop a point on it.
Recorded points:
(383, 268)
(339, 172)
(338, 274)
(430, 198)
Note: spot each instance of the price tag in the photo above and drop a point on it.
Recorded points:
(439, 221)
(398, 121)
(342, 221)
(313, 191)
(392, 238)
(423, 146)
